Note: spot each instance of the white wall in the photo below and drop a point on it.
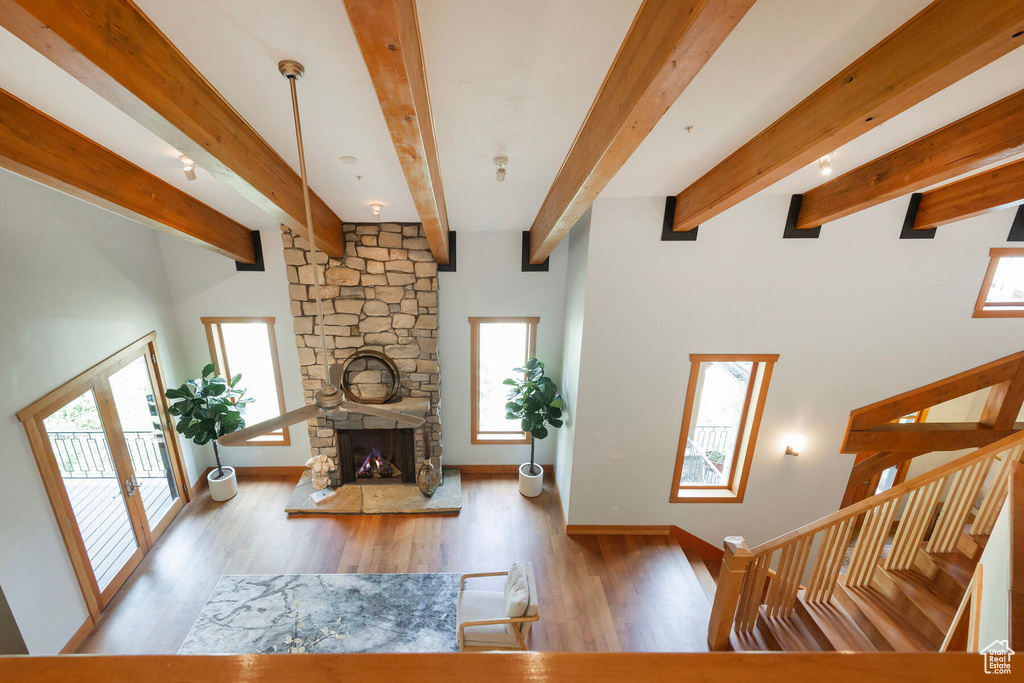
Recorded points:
(490, 282)
(857, 315)
(79, 284)
(578, 245)
(995, 580)
(205, 284)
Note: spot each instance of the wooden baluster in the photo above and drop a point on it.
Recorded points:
(730, 581)
(796, 574)
(958, 505)
(778, 582)
(753, 593)
(870, 542)
(913, 525)
(837, 566)
(993, 502)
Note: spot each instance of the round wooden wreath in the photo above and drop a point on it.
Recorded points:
(376, 355)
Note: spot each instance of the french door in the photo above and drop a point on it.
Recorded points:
(110, 464)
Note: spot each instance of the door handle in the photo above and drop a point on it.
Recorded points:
(129, 487)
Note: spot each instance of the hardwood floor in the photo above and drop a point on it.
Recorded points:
(597, 593)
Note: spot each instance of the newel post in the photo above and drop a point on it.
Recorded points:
(730, 580)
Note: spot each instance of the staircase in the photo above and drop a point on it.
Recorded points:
(888, 573)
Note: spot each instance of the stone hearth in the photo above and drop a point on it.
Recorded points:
(381, 296)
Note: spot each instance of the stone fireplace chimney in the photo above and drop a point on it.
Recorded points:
(381, 296)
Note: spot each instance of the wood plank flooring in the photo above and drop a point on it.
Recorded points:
(597, 593)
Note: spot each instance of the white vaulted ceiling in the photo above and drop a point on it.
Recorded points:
(506, 77)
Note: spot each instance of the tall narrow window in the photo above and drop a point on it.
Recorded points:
(497, 347)
(1002, 291)
(247, 346)
(724, 401)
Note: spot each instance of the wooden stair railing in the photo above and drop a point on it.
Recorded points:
(771, 574)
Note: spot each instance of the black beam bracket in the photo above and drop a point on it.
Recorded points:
(909, 232)
(1017, 228)
(257, 248)
(532, 267)
(670, 235)
(452, 253)
(791, 231)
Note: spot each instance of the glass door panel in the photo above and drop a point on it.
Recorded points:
(135, 402)
(80, 447)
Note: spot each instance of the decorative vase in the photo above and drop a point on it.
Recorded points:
(427, 478)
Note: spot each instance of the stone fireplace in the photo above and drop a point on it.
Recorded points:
(382, 296)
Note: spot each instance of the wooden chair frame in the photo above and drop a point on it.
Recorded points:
(490, 622)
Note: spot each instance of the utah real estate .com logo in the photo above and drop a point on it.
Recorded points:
(997, 657)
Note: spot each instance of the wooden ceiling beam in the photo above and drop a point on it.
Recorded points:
(667, 45)
(901, 71)
(1004, 402)
(389, 37)
(925, 437)
(114, 49)
(991, 190)
(985, 137)
(38, 147)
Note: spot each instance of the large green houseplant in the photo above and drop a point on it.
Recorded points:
(534, 401)
(206, 409)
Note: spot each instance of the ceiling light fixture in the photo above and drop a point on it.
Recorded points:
(348, 160)
(825, 164)
(375, 208)
(189, 166)
(501, 165)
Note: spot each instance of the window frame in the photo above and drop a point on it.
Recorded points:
(980, 310)
(514, 438)
(218, 352)
(746, 440)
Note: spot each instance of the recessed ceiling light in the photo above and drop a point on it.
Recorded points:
(348, 160)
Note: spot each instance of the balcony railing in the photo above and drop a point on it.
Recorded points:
(86, 454)
(698, 468)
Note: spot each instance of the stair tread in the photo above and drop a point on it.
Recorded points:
(791, 633)
(917, 588)
(837, 626)
(956, 564)
(755, 641)
(892, 625)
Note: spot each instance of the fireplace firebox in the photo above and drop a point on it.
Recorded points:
(376, 456)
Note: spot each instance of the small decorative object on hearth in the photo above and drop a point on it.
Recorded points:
(427, 476)
(320, 467)
(533, 400)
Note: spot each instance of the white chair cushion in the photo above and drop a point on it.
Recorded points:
(484, 606)
(517, 595)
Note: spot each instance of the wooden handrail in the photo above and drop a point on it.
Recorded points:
(893, 493)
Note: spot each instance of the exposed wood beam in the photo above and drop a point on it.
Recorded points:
(985, 137)
(1004, 402)
(882, 412)
(36, 146)
(925, 437)
(114, 49)
(994, 189)
(896, 74)
(389, 38)
(868, 466)
(668, 44)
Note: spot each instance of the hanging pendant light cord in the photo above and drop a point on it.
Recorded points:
(329, 387)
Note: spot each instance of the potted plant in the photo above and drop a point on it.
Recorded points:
(208, 408)
(534, 401)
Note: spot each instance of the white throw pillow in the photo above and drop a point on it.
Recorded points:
(517, 595)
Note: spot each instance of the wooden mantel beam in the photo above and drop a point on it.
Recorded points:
(985, 137)
(668, 44)
(990, 190)
(946, 41)
(36, 146)
(114, 49)
(389, 37)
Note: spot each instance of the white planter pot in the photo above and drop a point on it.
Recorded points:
(530, 485)
(223, 489)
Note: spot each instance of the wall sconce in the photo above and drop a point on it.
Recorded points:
(188, 166)
(500, 166)
(794, 444)
(375, 208)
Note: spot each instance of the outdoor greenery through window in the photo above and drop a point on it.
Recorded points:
(247, 346)
(725, 396)
(1002, 292)
(497, 347)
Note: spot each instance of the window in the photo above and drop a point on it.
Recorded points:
(247, 346)
(1002, 291)
(497, 347)
(724, 401)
